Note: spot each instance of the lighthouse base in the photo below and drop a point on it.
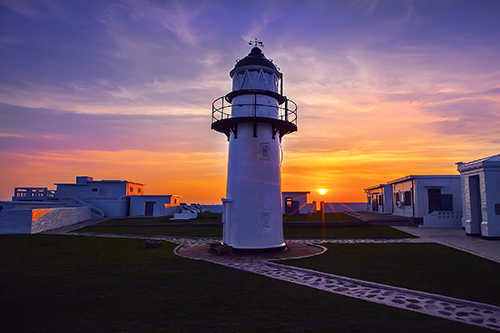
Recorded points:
(223, 249)
(261, 250)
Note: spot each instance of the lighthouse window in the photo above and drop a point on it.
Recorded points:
(264, 150)
(265, 220)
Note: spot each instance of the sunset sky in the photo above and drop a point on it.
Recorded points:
(123, 90)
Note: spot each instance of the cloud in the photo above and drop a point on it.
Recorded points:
(50, 130)
(384, 88)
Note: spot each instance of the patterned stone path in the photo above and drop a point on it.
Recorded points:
(468, 312)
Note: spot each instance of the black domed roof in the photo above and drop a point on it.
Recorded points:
(255, 57)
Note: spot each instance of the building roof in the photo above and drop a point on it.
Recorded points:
(155, 195)
(410, 177)
(490, 161)
(375, 187)
(99, 181)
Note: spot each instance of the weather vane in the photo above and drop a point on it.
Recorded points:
(256, 43)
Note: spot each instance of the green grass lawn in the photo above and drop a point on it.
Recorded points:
(53, 283)
(216, 231)
(202, 218)
(208, 217)
(172, 230)
(161, 227)
(318, 217)
(363, 231)
(427, 267)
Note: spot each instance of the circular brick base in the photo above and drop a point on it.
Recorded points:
(292, 251)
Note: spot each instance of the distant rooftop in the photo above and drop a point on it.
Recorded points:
(84, 180)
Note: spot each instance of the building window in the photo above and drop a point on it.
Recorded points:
(397, 199)
(380, 199)
(439, 202)
(139, 190)
(407, 198)
(131, 189)
(288, 202)
(94, 190)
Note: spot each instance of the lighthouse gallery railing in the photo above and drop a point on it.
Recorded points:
(221, 109)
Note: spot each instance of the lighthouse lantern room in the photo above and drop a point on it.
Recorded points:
(254, 116)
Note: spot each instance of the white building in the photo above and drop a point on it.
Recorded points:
(154, 205)
(106, 198)
(296, 203)
(481, 196)
(33, 210)
(379, 199)
(110, 196)
(435, 199)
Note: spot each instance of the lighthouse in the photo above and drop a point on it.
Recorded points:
(254, 116)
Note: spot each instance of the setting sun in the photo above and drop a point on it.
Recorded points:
(322, 191)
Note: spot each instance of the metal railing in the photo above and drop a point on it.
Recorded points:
(94, 211)
(33, 192)
(221, 109)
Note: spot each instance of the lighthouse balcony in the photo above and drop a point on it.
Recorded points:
(283, 118)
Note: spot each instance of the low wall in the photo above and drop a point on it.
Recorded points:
(171, 210)
(112, 206)
(442, 220)
(308, 208)
(216, 209)
(341, 207)
(32, 221)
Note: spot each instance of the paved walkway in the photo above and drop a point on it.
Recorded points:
(457, 239)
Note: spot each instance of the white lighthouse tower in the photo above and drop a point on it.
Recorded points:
(254, 116)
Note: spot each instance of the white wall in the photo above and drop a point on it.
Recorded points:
(420, 199)
(404, 210)
(301, 198)
(447, 186)
(165, 205)
(490, 227)
(112, 206)
(171, 210)
(442, 220)
(216, 209)
(489, 192)
(384, 206)
(30, 221)
(101, 188)
(15, 221)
